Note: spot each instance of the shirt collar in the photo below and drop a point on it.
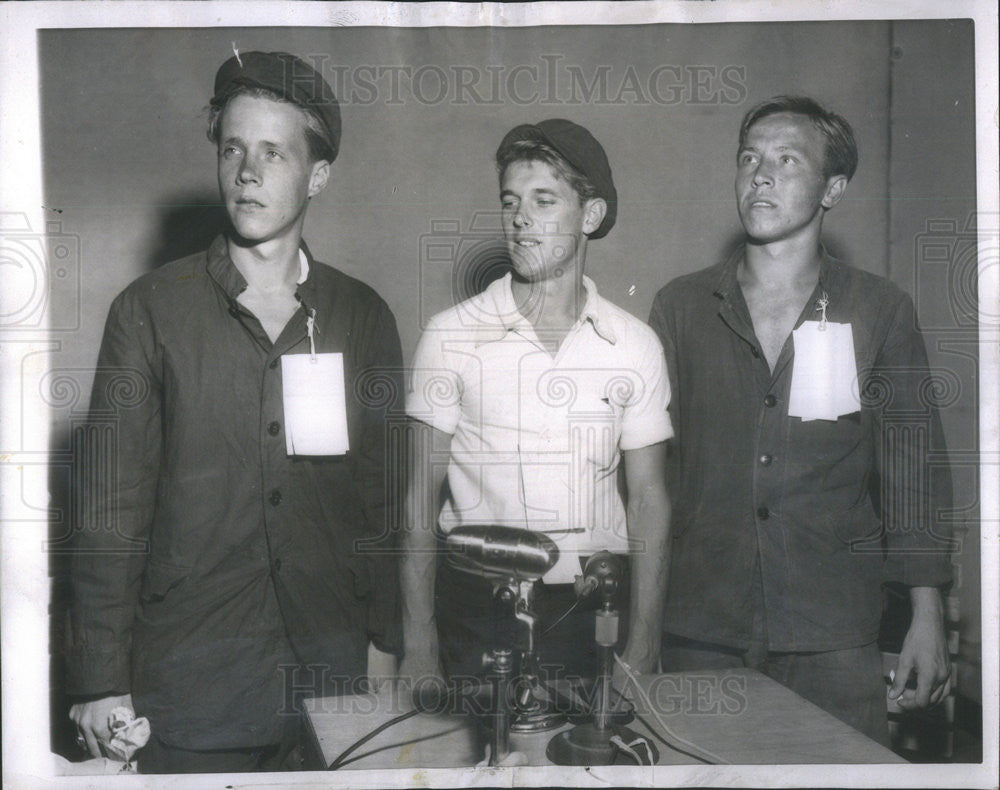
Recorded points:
(830, 273)
(222, 269)
(303, 267)
(511, 319)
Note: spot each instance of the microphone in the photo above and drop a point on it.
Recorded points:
(604, 572)
(500, 553)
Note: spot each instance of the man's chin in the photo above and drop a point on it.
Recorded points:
(526, 267)
(758, 236)
(245, 234)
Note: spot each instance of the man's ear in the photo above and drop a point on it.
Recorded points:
(835, 188)
(593, 214)
(319, 178)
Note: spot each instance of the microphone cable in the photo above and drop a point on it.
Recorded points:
(671, 738)
(417, 708)
(339, 760)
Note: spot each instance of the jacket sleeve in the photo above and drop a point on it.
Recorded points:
(117, 457)
(380, 473)
(915, 489)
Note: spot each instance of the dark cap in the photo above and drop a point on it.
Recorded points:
(578, 147)
(289, 77)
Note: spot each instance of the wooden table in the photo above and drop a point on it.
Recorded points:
(740, 716)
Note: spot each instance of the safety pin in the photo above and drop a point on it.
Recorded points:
(821, 304)
(310, 326)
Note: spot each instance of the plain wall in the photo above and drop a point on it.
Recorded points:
(130, 177)
(126, 156)
(933, 256)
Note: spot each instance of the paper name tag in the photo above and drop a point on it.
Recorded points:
(824, 372)
(314, 403)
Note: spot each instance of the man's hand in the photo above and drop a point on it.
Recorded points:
(421, 681)
(381, 668)
(925, 651)
(91, 719)
(639, 660)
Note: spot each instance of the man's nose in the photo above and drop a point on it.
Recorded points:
(762, 174)
(521, 220)
(248, 172)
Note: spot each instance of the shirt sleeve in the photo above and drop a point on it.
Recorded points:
(646, 420)
(118, 453)
(434, 391)
(914, 475)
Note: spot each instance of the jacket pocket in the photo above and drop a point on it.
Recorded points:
(159, 579)
(857, 527)
(358, 567)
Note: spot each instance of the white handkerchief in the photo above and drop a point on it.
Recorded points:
(128, 734)
(314, 402)
(824, 372)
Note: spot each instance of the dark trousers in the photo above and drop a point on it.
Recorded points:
(157, 757)
(469, 626)
(846, 683)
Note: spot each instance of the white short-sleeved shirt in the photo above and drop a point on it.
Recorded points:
(537, 438)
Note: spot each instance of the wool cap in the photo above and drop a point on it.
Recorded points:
(578, 147)
(289, 77)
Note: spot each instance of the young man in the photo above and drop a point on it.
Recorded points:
(225, 568)
(778, 558)
(536, 391)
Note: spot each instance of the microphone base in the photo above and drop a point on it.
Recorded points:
(536, 721)
(584, 744)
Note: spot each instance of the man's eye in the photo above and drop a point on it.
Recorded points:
(545, 202)
(229, 151)
(746, 159)
(273, 155)
(507, 205)
(787, 160)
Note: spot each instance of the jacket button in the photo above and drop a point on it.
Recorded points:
(763, 513)
(274, 364)
(275, 498)
(277, 565)
(274, 428)
(770, 401)
(755, 352)
(765, 460)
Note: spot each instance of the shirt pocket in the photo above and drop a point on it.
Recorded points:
(595, 426)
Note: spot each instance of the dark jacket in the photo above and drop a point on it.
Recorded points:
(832, 508)
(210, 568)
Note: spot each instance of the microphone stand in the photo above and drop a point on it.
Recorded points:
(499, 660)
(533, 708)
(591, 743)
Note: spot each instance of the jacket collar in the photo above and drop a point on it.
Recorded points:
(224, 272)
(831, 274)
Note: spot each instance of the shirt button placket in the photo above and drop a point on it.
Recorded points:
(765, 460)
